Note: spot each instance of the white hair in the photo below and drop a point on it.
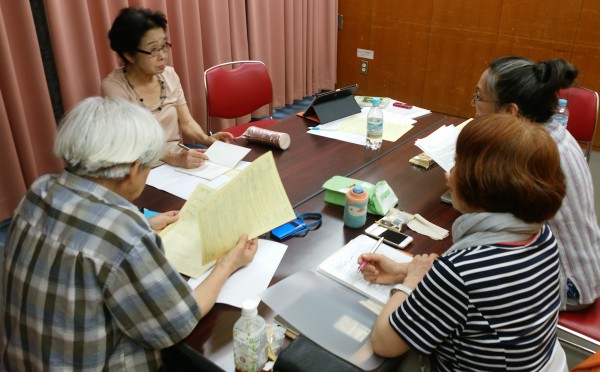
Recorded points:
(102, 137)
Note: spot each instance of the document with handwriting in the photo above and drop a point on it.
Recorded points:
(222, 157)
(342, 266)
(211, 221)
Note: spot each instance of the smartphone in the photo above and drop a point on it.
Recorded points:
(288, 229)
(393, 238)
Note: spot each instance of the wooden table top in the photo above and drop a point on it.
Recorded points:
(417, 189)
(307, 164)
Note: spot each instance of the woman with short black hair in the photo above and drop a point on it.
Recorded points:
(139, 37)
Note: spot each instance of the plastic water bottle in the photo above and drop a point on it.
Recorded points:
(250, 339)
(562, 112)
(374, 125)
(355, 210)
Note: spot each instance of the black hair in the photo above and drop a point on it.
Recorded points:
(532, 86)
(130, 26)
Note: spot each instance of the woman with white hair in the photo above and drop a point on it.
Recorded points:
(87, 285)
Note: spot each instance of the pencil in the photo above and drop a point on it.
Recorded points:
(373, 250)
(183, 146)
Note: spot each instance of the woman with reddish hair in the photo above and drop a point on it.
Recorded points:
(491, 301)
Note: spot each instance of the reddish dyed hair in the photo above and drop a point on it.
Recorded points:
(508, 164)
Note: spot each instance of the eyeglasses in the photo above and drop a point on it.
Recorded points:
(156, 51)
(477, 98)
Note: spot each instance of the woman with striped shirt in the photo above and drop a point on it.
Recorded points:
(491, 301)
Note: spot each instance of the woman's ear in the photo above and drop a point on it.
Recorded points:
(129, 57)
(512, 108)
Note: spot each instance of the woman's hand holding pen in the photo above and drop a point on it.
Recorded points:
(188, 158)
(381, 269)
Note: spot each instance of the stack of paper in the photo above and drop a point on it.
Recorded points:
(441, 144)
(353, 128)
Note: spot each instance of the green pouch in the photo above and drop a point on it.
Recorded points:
(381, 196)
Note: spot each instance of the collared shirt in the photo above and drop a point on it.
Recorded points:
(87, 285)
(575, 225)
(486, 308)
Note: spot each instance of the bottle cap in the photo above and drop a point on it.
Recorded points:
(249, 307)
(562, 102)
(375, 101)
(357, 189)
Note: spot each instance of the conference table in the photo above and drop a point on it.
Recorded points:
(304, 167)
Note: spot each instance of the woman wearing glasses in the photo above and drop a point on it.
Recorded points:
(139, 38)
(527, 89)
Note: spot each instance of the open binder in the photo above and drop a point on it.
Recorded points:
(332, 105)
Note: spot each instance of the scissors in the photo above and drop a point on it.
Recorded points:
(402, 105)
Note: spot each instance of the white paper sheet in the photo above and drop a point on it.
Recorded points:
(222, 157)
(440, 146)
(166, 178)
(252, 279)
(412, 113)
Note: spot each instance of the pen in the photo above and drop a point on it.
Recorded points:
(322, 128)
(183, 146)
(364, 263)
(402, 105)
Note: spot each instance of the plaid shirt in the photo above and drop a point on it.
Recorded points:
(575, 225)
(87, 285)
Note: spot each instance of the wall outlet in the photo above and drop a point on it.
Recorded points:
(364, 67)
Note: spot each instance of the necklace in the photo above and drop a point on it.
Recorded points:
(163, 93)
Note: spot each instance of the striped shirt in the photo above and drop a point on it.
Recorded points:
(87, 286)
(486, 308)
(575, 225)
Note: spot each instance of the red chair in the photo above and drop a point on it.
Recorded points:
(579, 331)
(235, 89)
(583, 115)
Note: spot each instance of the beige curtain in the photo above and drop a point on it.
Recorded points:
(297, 40)
(27, 125)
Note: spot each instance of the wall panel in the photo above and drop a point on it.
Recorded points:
(432, 52)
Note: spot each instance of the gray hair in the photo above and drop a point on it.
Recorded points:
(102, 137)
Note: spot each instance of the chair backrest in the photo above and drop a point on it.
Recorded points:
(236, 89)
(583, 115)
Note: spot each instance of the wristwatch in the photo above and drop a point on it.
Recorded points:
(400, 287)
